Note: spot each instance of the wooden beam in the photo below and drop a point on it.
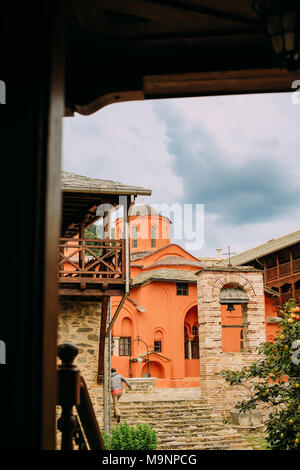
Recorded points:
(103, 321)
(216, 83)
(96, 293)
(179, 12)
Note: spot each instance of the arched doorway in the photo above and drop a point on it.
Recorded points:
(191, 343)
(232, 298)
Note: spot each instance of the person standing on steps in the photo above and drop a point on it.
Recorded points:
(117, 390)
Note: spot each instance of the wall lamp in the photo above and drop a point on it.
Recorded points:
(281, 19)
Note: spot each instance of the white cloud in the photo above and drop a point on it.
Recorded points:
(125, 143)
(128, 143)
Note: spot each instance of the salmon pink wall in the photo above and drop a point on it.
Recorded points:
(164, 319)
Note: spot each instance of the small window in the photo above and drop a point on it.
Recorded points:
(157, 346)
(242, 340)
(186, 344)
(134, 237)
(195, 330)
(182, 289)
(125, 346)
(153, 237)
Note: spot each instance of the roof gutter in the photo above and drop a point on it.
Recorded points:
(124, 192)
(116, 314)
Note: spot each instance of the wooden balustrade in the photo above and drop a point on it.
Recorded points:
(90, 263)
(296, 265)
(271, 273)
(72, 391)
(68, 393)
(285, 269)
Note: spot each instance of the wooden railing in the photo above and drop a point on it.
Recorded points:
(289, 295)
(91, 260)
(81, 429)
(282, 270)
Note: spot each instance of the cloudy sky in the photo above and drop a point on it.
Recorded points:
(236, 155)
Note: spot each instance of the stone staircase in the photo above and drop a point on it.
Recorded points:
(181, 423)
(182, 419)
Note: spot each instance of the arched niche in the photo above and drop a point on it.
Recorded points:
(156, 370)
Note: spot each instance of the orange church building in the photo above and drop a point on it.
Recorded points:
(156, 332)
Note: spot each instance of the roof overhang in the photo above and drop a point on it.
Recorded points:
(82, 196)
(119, 51)
(233, 295)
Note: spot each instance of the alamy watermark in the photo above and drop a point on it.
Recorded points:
(2, 92)
(296, 93)
(2, 352)
(187, 222)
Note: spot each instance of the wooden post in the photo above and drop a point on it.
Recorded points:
(291, 262)
(280, 298)
(103, 322)
(68, 393)
(293, 290)
(278, 268)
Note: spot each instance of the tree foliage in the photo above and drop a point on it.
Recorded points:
(275, 380)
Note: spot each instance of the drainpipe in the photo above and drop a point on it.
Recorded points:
(106, 384)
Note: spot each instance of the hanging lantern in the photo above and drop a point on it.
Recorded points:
(281, 19)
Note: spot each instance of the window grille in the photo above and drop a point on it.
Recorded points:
(195, 347)
(182, 289)
(125, 346)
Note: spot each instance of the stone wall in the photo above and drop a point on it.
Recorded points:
(79, 323)
(142, 384)
(212, 358)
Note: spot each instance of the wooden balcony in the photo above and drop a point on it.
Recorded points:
(91, 267)
(283, 270)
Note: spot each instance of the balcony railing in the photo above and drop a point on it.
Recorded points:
(91, 262)
(283, 270)
(288, 295)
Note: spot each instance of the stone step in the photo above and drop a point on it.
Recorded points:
(189, 425)
(170, 417)
(167, 417)
(153, 402)
(186, 410)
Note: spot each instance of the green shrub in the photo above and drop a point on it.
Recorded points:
(125, 437)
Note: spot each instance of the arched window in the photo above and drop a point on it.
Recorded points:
(186, 344)
(158, 341)
(125, 337)
(195, 347)
(195, 343)
(153, 236)
(134, 237)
